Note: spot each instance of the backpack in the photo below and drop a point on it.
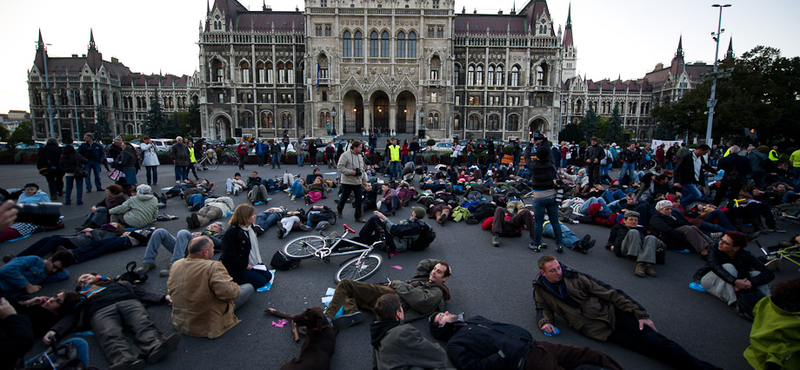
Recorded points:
(324, 215)
(131, 275)
(282, 262)
(58, 357)
(314, 196)
(426, 237)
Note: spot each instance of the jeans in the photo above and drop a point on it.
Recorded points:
(692, 194)
(297, 190)
(92, 166)
(80, 345)
(256, 278)
(152, 171)
(176, 246)
(267, 219)
(394, 170)
(627, 168)
(590, 201)
(97, 219)
(276, 159)
(78, 189)
(194, 171)
(260, 157)
(723, 223)
(45, 246)
(539, 207)
(563, 163)
(391, 206)
(109, 322)
(616, 195)
(181, 174)
(569, 237)
(98, 248)
(197, 199)
(300, 159)
(470, 158)
(650, 343)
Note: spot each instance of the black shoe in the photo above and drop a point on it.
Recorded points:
(560, 249)
(259, 231)
(88, 190)
(281, 231)
(168, 345)
(348, 320)
(7, 258)
(585, 240)
(588, 246)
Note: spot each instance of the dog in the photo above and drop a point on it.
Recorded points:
(320, 343)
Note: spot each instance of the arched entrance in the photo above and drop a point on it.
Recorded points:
(538, 124)
(380, 111)
(352, 119)
(405, 116)
(222, 127)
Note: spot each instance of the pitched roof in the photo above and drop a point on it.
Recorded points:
(265, 21)
(477, 24)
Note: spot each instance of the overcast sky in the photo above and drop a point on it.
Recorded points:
(614, 38)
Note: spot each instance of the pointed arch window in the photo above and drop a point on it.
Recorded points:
(401, 44)
(270, 73)
(373, 45)
(347, 44)
(515, 76)
(490, 76)
(494, 123)
(358, 45)
(457, 74)
(513, 123)
(281, 73)
(266, 120)
(260, 73)
(471, 76)
(218, 71)
(289, 73)
(499, 76)
(385, 42)
(245, 72)
(475, 123)
(412, 44)
(479, 75)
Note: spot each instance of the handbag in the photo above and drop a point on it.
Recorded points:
(58, 357)
(80, 172)
(116, 175)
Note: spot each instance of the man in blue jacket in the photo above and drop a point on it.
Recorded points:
(95, 154)
(27, 274)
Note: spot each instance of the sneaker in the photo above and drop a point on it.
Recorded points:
(560, 249)
(347, 320)
(259, 231)
(168, 345)
(442, 219)
(495, 240)
(281, 231)
(588, 246)
(639, 271)
(650, 271)
(361, 220)
(586, 239)
(536, 248)
(697, 287)
(323, 225)
(717, 235)
(145, 267)
(778, 230)
(164, 272)
(292, 198)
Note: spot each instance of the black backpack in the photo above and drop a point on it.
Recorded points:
(426, 237)
(131, 275)
(281, 261)
(325, 215)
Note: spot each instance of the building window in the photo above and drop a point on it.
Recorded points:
(328, 30)
(289, 73)
(358, 45)
(266, 120)
(479, 75)
(490, 76)
(245, 72)
(323, 3)
(270, 72)
(347, 43)
(260, 73)
(474, 123)
(456, 75)
(433, 121)
(494, 123)
(457, 122)
(219, 72)
(385, 44)
(221, 97)
(412, 44)
(281, 73)
(373, 45)
(430, 32)
(499, 76)
(286, 121)
(434, 97)
(513, 123)
(436, 4)
(401, 45)
(474, 100)
(541, 75)
(318, 30)
(440, 32)
(515, 76)
(471, 75)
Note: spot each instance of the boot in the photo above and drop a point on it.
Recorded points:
(640, 269)
(650, 271)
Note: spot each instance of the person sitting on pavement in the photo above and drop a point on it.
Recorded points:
(27, 274)
(203, 294)
(399, 237)
(775, 335)
(393, 340)
(298, 189)
(176, 245)
(481, 343)
(30, 195)
(139, 210)
(99, 215)
(420, 296)
(735, 275)
(389, 200)
(240, 252)
(234, 185)
(629, 239)
(676, 232)
(253, 181)
(502, 227)
(320, 186)
(213, 209)
(313, 175)
(598, 311)
(51, 244)
(109, 307)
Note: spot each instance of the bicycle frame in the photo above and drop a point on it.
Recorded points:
(791, 253)
(328, 251)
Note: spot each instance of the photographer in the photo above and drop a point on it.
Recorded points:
(351, 166)
(45, 214)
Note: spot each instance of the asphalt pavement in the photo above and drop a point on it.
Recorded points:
(487, 281)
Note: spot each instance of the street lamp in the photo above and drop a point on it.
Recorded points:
(49, 93)
(75, 101)
(333, 116)
(712, 102)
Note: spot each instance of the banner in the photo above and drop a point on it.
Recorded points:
(667, 143)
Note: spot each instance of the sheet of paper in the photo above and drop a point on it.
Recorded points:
(260, 267)
(330, 291)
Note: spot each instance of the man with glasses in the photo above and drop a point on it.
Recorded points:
(27, 274)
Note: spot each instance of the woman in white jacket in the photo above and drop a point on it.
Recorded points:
(150, 159)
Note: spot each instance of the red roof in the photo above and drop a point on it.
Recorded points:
(496, 24)
(266, 21)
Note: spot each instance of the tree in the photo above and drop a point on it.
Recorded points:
(4, 133)
(589, 124)
(193, 120)
(571, 132)
(101, 129)
(157, 124)
(614, 132)
(22, 134)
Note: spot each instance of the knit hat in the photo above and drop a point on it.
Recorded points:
(419, 212)
(31, 185)
(632, 214)
(663, 204)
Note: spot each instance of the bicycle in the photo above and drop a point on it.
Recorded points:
(780, 252)
(209, 161)
(362, 266)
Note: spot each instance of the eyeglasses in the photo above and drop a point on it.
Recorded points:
(722, 241)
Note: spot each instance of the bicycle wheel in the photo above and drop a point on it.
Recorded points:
(359, 268)
(213, 163)
(303, 247)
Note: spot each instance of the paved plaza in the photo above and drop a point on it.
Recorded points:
(487, 281)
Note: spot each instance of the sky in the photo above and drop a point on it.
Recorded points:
(614, 38)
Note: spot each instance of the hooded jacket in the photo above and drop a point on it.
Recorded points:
(396, 345)
(139, 211)
(480, 343)
(418, 296)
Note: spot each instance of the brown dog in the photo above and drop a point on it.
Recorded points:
(320, 342)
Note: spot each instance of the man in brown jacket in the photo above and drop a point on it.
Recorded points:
(195, 278)
(601, 312)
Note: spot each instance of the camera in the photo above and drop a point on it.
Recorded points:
(44, 214)
(358, 171)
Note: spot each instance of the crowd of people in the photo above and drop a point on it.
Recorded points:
(542, 187)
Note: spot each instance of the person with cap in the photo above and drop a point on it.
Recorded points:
(234, 185)
(480, 343)
(393, 340)
(629, 239)
(598, 311)
(675, 231)
(399, 236)
(420, 296)
(594, 154)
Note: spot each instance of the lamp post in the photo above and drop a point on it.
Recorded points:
(712, 102)
(49, 93)
(333, 116)
(75, 101)
(422, 127)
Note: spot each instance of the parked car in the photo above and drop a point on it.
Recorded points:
(163, 145)
(214, 144)
(441, 147)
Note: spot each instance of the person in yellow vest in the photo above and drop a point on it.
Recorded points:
(394, 160)
(773, 154)
(192, 160)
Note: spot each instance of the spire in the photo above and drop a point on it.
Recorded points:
(91, 40)
(208, 8)
(93, 57)
(729, 54)
(679, 53)
(41, 41)
(41, 53)
(569, 17)
(567, 42)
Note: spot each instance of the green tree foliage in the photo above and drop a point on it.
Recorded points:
(589, 124)
(158, 124)
(193, 120)
(760, 92)
(101, 128)
(22, 134)
(571, 132)
(4, 133)
(614, 132)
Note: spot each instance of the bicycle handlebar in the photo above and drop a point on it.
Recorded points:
(349, 229)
